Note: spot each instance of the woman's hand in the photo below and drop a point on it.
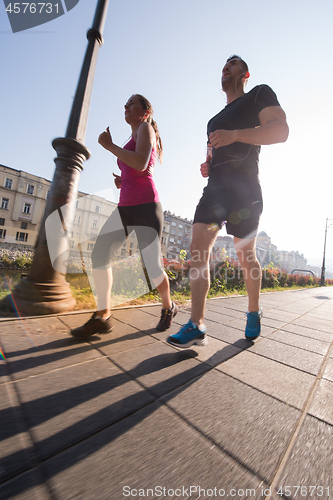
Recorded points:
(105, 139)
(117, 181)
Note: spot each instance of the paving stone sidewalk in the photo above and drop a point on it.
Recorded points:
(126, 415)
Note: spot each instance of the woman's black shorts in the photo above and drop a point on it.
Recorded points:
(147, 221)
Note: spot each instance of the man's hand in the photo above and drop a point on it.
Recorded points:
(117, 181)
(205, 169)
(221, 138)
(105, 139)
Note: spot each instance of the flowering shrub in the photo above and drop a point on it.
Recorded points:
(227, 276)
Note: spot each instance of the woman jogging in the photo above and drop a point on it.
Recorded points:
(139, 209)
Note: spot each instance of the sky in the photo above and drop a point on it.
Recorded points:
(173, 52)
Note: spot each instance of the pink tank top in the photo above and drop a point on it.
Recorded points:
(137, 187)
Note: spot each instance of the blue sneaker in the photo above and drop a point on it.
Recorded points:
(253, 326)
(188, 335)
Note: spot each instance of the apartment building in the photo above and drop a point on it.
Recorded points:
(178, 235)
(22, 203)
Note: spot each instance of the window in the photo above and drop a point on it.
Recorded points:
(2, 222)
(180, 234)
(173, 224)
(93, 237)
(21, 236)
(71, 244)
(90, 246)
(5, 203)
(78, 221)
(3, 233)
(26, 209)
(179, 242)
(9, 183)
(95, 222)
(24, 225)
(47, 195)
(30, 189)
(172, 240)
(173, 231)
(97, 209)
(180, 226)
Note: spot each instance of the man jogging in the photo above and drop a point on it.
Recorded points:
(233, 193)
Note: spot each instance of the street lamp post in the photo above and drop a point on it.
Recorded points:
(329, 223)
(45, 290)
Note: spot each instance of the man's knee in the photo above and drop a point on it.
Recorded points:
(198, 252)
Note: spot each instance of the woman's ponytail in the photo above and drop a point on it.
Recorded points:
(148, 107)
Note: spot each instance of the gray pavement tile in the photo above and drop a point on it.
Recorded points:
(75, 320)
(250, 426)
(224, 311)
(152, 448)
(239, 305)
(67, 405)
(280, 381)
(217, 316)
(311, 462)
(315, 314)
(295, 357)
(307, 343)
(226, 333)
(216, 351)
(160, 367)
(41, 351)
(26, 486)
(308, 332)
(318, 319)
(137, 318)
(32, 326)
(321, 406)
(240, 324)
(16, 450)
(316, 325)
(121, 338)
(3, 372)
(300, 308)
(275, 314)
(328, 374)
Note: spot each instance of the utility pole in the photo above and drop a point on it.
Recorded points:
(329, 223)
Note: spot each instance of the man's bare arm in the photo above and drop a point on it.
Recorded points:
(272, 130)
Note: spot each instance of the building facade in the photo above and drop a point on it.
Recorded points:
(22, 203)
(176, 236)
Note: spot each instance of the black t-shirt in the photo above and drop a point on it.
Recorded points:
(239, 114)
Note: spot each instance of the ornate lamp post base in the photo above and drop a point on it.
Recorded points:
(34, 299)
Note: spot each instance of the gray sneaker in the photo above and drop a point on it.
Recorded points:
(92, 326)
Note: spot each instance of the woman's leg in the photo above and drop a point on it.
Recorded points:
(109, 240)
(164, 290)
(103, 284)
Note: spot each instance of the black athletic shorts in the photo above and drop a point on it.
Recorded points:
(147, 222)
(235, 199)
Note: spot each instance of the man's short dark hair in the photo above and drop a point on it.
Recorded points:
(244, 65)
